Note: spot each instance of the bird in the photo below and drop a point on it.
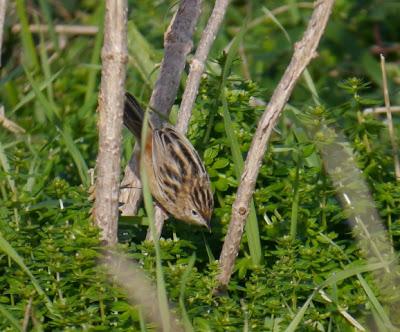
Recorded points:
(177, 178)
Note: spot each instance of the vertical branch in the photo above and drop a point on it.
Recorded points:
(3, 7)
(198, 63)
(111, 99)
(304, 51)
(177, 43)
(392, 134)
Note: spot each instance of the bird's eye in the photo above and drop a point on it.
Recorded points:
(194, 213)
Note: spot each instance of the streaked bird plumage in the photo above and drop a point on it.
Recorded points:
(178, 180)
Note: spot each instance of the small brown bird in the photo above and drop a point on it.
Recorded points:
(176, 174)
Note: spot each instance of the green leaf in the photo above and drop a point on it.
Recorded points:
(220, 163)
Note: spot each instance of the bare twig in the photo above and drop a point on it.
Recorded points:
(111, 100)
(378, 110)
(392, 134)
(304, 52)
(8, 124)
(198, 63)
(177, 43)
(62, 29)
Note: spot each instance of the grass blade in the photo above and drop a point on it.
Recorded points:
(44, 6)
(6, 247)
(76, 155)
(379, 311)
(30, 56)
(148, 203)
(14, 322)
(6, 166)
(51, 111)
(341, 275)
(142, 55)
(95, 59)
(44, 61)
(31, 94)
(53, 115)
(186, 321)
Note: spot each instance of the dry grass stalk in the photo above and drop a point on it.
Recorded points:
(62, 29)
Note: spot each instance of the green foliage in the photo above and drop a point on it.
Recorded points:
(312, 276)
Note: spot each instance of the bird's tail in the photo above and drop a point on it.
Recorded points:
(133, 115)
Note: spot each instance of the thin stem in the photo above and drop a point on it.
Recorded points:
(392, 134)
(295, 203)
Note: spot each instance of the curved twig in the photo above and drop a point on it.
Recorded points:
(304, 52)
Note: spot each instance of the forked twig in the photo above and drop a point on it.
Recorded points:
(304, 52)
(111, 100)
(392, 134)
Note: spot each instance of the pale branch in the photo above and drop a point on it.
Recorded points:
(3, 8)
(177, 43)
(392, 133)
(111, 101)
(198, 63)
(380, 110)
(63, 29)
(304, 52)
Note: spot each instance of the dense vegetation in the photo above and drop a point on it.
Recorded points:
(49, 249)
